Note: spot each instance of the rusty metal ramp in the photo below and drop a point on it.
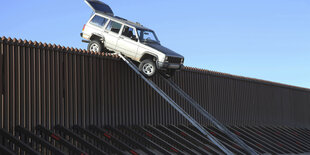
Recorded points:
(200, 109)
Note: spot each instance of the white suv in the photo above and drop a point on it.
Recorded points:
(106, 32)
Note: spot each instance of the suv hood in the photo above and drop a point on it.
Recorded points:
(164, 50)
(99, 6)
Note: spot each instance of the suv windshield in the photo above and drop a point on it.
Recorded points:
(147, 36)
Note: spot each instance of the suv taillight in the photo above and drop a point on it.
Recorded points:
(83, 27)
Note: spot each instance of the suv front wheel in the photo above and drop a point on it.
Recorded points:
(95, 46)
(148, 68)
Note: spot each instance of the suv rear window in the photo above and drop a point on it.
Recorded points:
(98, 21)
(114, 26)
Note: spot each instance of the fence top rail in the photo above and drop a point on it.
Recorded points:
(72, 50)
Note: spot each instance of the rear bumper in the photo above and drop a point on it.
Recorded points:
(166, 65)
(84, 41)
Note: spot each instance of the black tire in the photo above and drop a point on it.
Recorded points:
(95, 46)
(148, 68)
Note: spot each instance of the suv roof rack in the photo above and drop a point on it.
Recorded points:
(120, 18)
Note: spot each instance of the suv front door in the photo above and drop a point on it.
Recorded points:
(128, 42)
(112, 34)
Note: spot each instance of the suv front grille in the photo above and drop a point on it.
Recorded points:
(174, 60)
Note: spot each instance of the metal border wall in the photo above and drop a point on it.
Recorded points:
(44, 84)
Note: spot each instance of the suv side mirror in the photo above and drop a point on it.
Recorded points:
(134, 38)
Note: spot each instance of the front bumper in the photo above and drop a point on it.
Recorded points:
(167, 65)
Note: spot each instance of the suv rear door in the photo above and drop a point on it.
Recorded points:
(99, 6)
(111, 34)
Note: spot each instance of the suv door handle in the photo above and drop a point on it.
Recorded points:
(121, 37)
(106, 31)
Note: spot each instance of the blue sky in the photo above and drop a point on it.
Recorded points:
(264, 39)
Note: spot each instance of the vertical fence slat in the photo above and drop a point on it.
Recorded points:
(27, 87)
(38, 115)
(91, 89)
(48, 85)
(58, 95)
(79, 88)
(22, 83)
(83, 91)
(1, 81)
(61, 87)
(102, 92)
(69, 95)
(2, 75)
(43, 84)
(12, 86)
(18, 84)
(33, 111)
(66, 88)
(87, 90)
(52, 100)
(75, 89)
(6, 86)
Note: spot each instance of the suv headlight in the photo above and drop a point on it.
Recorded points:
(182, 60)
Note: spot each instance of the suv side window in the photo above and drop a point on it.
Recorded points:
(98, 21)
(114, 26)
(129, 32)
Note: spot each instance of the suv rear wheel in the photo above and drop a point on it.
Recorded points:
(95, 46)
(148, 68)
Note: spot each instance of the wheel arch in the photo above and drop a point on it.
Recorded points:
(148, 55)
(97, 37)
